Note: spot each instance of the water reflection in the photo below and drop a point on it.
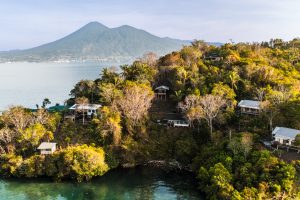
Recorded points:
(141, 183)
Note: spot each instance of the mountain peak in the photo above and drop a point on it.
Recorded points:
(95, 24)
(126, 26)
(96, 42)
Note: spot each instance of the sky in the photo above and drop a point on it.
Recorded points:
(29, 23)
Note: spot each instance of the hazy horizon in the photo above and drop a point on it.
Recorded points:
(32, 23)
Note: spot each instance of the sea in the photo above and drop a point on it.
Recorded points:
(28, 84)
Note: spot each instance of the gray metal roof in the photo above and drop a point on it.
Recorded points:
(162, 87)
(47, 145)
(249, 104)
(285, 133)
(85, 107)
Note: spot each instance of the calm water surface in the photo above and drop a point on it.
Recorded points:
(28, 84)
(129, 184)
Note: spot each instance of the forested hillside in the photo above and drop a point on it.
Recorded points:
(222, 147)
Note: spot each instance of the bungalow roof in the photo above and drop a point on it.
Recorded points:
(47, 145)
(85, 106)
(162, 87)
(249, 104)
(285, 133)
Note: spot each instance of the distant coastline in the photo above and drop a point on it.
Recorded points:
(70, 61)
(96, 42)
(118, 60)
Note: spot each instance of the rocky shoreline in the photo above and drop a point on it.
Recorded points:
(168, 165)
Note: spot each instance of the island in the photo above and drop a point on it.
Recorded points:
(227, 114)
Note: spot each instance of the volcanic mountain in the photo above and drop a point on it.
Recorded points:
(96, 42)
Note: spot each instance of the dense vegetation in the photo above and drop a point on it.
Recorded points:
(222, 147)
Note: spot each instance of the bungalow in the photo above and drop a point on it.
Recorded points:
(178, 123)
(285, 136)
(249, 107)
(89, 109)
(161, 92)
(212, 57)
(47, 148)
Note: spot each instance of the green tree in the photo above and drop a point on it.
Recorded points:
(32, 136)
(220, 181)
(10, 164)
(233, 78)
(46, 102)
(82, 162)
(139, 72)
(297, 140)
(110, 75)
(109, 124)
(84, 88)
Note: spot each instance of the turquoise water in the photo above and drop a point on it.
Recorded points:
(28, 84)
(127, 184)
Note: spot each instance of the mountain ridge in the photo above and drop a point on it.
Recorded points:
(97, 42)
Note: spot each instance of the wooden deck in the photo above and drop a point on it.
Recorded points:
(288, 147)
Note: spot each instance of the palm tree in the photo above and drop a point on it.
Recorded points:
(46, 102)
(234, 78)
(177, 96)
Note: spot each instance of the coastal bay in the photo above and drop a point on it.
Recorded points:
(27, 84)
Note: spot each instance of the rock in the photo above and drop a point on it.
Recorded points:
(172, 165)
(128, 165)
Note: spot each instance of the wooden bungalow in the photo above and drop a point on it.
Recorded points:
(47, 148)
(89, 110)
(285, 136)
(161, 92)
(249, 107)
(212, 57)
(178, 123)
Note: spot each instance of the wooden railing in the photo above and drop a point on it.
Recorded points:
(287, 146)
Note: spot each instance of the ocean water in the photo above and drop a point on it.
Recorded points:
(27, 84)
(125, 184)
